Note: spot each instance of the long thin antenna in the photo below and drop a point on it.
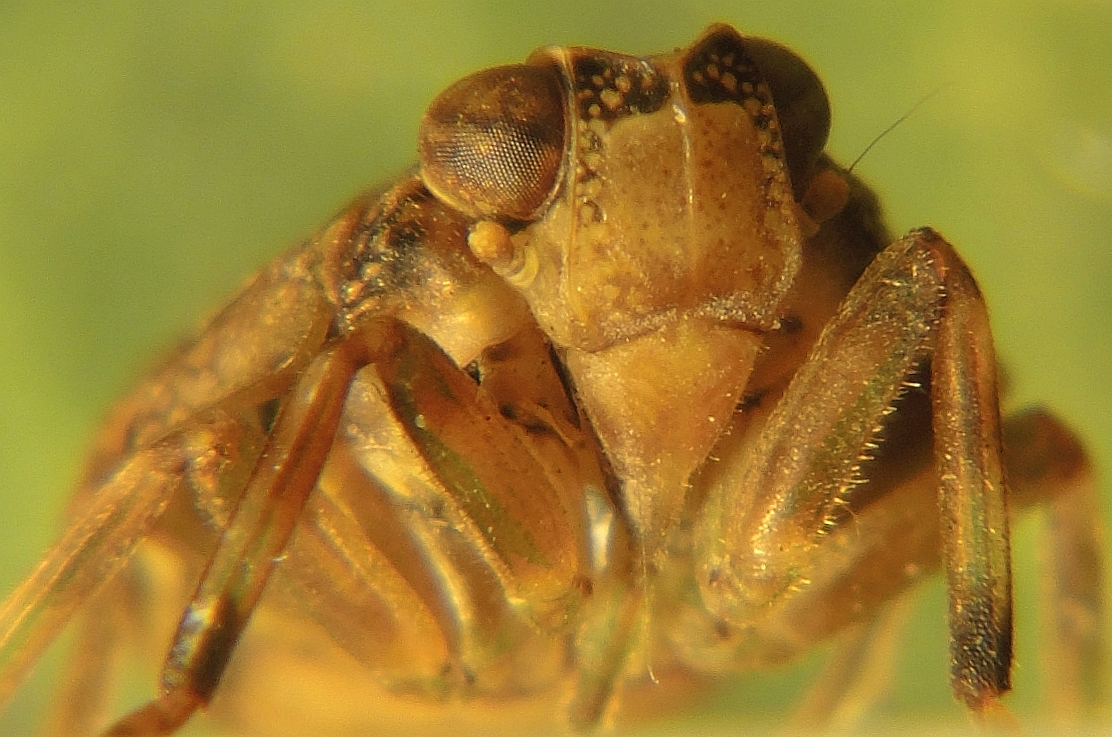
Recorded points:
(899, 120)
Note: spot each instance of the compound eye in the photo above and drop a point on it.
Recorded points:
(492, 144)
(801, 104)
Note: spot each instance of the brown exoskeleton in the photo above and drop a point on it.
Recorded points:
(622, 390)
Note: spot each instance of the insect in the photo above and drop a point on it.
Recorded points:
(623, 389)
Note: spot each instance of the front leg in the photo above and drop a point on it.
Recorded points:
(256, 536)
(767, 511)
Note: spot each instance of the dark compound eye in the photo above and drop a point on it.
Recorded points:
(801, 104)
(492, 144)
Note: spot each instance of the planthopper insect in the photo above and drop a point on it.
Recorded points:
(623, 389)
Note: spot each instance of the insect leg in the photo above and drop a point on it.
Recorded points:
(445, 546)
(976, 553)
(1048, 465)
(1074, 580)
(92, 670)
(769, 510)
(858, 673)
(255, 537)
(92, 550)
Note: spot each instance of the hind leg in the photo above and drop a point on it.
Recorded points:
(1048, 466)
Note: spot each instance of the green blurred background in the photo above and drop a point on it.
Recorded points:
(152, 155)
